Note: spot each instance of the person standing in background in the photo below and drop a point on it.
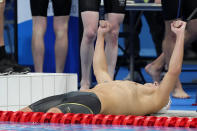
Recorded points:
(156, 25)
(114, 14)
(7, 65)
(61, 17)
(174, 9)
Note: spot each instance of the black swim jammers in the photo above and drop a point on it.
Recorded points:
(72, 102)
(111, 6)
(60, 7)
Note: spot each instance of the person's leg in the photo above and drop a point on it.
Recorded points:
(54, 110)
(3, 69)
(2, 7)
(50, 102)
(191, 33)
(90, 16)
(78, 102)
(61, 18)
(26, 109)
(39, 13)
(135, 25)
(168, 46)
(61, 41)
(157, 28)
(7, 65)
(87, 45)
(190, 36)
(111, 40)
(154, 68)
(39, 29)
(45, 104)
(171, 12)
(115, 12)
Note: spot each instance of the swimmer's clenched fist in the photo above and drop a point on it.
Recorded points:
(104, 27)
(178, 26)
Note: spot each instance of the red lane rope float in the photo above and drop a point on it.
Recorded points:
(6, 115)
(46, 118)
(66, 119)
(150, 121)
(118, 120)
(160, 121)
(108, 119)
(77, 118)
(26, 116)
(181, 122)
(87, 119)
(128, 120)
(70, 118)
(36, 117)
(56, 117)
(15, 117)
(98, 119)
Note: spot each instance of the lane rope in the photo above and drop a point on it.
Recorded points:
(100, 119)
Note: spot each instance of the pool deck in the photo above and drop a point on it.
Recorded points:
(177, 113)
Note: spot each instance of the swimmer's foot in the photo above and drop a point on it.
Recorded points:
(178, 91)
(154, 72)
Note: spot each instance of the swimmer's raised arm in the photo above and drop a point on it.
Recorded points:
(175, 65)
(99, 60)
(176, 60)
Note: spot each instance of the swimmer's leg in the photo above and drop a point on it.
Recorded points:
(82, 102)
(44, 104)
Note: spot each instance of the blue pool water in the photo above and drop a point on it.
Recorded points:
(58, 127)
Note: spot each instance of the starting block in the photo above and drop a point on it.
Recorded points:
(18, 91)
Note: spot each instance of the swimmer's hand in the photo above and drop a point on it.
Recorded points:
(104, 27)
(178, 27)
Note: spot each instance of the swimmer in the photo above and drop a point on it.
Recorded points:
(117, 97)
